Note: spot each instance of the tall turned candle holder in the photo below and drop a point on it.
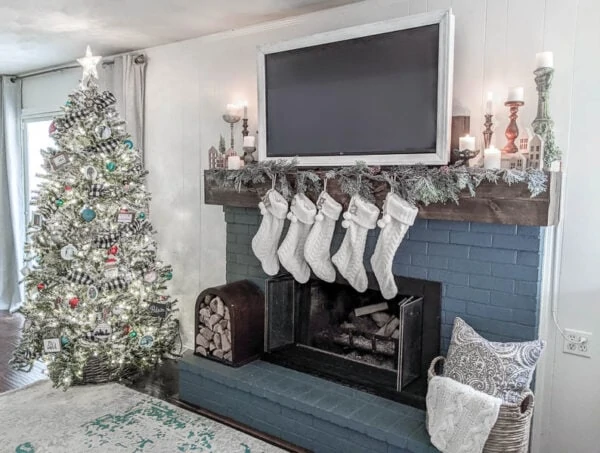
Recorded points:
(231, 119)
(512, 130)
(488, 132)
(542, 124)
(245, 127)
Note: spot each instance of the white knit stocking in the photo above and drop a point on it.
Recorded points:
(291, 252)
(360, 217)
(398, 216)
(318, 242)
(264, 244)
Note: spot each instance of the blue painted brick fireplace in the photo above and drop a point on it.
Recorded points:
(490, 277)
(490, 273)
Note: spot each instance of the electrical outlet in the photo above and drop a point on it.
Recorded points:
(577, 343)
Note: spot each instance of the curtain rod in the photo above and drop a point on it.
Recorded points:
(51, 70)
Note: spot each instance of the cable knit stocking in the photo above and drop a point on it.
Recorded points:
(360, 217)
(398, 216)
(291, 252)
(264, 244)
(318, 242)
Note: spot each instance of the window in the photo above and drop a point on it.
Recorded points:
(35, 135)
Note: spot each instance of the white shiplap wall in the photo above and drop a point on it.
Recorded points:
(189, 83)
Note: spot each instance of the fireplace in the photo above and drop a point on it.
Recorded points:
(359, 339)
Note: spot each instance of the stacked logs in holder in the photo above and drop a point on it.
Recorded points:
(230, 323)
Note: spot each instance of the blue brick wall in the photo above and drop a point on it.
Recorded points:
(490, 273)
(313, 413)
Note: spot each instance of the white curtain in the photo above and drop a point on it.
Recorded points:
(126, 79)
(12, 194)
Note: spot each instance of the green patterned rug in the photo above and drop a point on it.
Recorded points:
(110, 418)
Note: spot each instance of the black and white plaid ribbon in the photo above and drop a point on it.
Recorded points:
(71, 119)
(79, 277)
(135, 227)
(103, 147)
(117, 283)
(96, 190)
(107, 240)
(104, 100)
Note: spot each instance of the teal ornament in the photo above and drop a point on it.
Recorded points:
(68, 103)
(64, 340)
(111, 166)
(132, 334)
(146, 341)
(59, 202)
(128, 143)
(88, 214)
(142, 215)
(168, 275)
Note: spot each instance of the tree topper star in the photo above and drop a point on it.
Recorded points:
(89, 63)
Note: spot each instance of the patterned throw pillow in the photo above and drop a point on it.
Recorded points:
(503, 370)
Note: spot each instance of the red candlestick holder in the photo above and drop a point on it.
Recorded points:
(512, 130)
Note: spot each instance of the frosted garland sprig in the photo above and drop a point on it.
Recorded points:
(416, 183)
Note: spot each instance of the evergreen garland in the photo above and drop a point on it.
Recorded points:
(415, 183)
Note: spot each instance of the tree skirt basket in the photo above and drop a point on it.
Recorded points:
(96, 370)
(510, 434)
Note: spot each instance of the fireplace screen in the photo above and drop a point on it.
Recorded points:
(330, 329)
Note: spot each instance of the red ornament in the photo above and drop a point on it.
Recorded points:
(126, 329)
(68, 188)
(41, 286)
(113, 250)
(73, 302)
(52, 128)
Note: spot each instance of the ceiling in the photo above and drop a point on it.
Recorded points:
(37, 34)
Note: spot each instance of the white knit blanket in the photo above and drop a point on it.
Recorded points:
(459, 418)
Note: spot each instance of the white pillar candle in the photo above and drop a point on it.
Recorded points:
(233, 163)
(249, 141)
(492, 158)
(515, 94)
(544, 60)
(466, 142)
(245, 104)
(489, 104)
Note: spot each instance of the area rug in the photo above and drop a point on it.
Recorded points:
(110, 418)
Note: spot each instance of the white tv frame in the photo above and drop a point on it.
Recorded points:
(444, 18)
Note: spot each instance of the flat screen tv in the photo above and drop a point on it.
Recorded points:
(380, 93)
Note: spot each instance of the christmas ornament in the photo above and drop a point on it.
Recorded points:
(64, 340)
(318, 243)
(360, 217)
(40, 286)
(89, 63)
(141, 215)
(125, 216)
(103, 132)
(59, 202)
(126, 187)
(128, 143)
(58, 161)
(73, 302)
(113, 250)
(68, 252)
(150, 277)
(398, 216)
(51, 345)
(111, 269)
(92, 292)
(291, 252)
(111, 166)
(90, 173)
(68, 188)
(126, 329)
(168, 275)
(158, 310)
(146, 341)
(273, 208)
(132, 334)
(102, 332)
(88, 214)
(52, 128)
(25, 271)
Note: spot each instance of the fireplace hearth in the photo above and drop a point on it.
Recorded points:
(358, 339)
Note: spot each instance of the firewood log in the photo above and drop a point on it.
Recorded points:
(368, 309)
(228, 356)
(212, 346)
(217, 340)
(380, 318)
(225, 344)
(201, 341)
(201, 350)
(206, 333)
(226, 315)
(213, 320)
(218, 353)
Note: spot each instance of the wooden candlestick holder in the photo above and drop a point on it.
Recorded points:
(487, 133)
(512, 130)
(245, 127)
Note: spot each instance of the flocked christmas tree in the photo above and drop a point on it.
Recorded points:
(95, 305)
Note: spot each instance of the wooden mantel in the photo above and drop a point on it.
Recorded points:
(493, 203)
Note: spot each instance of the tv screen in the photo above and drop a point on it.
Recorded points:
(382, 94)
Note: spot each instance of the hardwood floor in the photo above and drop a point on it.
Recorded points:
(162, 382)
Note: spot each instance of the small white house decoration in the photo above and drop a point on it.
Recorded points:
(514, 161)
(536, 152)
(529, 155)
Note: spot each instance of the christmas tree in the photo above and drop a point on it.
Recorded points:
(95, 308)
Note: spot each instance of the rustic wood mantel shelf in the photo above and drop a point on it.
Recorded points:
(493, 203)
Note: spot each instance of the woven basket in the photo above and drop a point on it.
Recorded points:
(96, 370)
(510, 434)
